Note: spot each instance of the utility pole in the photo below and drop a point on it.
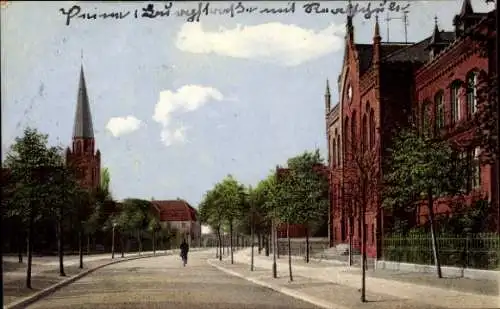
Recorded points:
(404, 18)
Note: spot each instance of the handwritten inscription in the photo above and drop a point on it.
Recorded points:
(194, 13)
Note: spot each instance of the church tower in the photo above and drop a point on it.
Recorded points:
(83, 155)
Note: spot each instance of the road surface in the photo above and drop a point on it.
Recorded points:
(162, 282)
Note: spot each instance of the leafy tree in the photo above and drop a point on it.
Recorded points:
(421, 167)
(361, 190)
(62, 187)
(232, 197)
(212, 212)
(305, 189)
(136, 212)
(30, 162)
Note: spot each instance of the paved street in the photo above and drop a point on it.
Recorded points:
(162, 282)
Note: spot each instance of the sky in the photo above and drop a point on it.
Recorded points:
(179, 105)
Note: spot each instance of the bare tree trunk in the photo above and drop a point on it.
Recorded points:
(30, 246)
(154, 243)
(20, 247)
(363, 254)
(351, 228)
(221, 247)
(273, 236)
(252, 236)
(60, 242)
(259, 242)
(435, 249)
(267, 244)
(231, 240)
(277, 243)
(289, 251)
(80, 248)
(307, 244)
(122, 244)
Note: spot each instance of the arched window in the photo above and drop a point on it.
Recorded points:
(338, 150)
(372, 127)
(334, 152)
(455, 101)
(439, 104)
(353, 132)
(471, 93)
(364, 138)
(426, 117)
(346, 133)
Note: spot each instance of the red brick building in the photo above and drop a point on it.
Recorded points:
(179, 215)
(83, 154)
(387, 85)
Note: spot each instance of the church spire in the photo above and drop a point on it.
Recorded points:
(83, 127)
(327, 97)
(349, 25)
(377, 29)
(466, 8)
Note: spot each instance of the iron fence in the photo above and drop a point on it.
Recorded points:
(480, 251)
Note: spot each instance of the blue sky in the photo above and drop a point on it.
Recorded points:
(177, 106)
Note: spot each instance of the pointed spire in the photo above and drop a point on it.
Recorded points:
(349, 25)
(466, 8)
(327, 98)
(83, 127)
(436, 35)
(377, 28)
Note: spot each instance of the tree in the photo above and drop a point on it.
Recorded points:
(212, 212)
(362, 184)
(137, 212)
(271, 206)
(422, 167)
(63, 186)
(30, 161)
(232, 197)
(306, 183)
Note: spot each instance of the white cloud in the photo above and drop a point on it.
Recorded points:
(186, 99)
(123, 125)
(288, 45)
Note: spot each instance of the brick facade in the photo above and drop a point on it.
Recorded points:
(383, 86)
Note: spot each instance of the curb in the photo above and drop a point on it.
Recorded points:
(23, 303)
(289, 292)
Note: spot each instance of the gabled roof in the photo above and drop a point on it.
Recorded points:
(365, 53)
(417, 52)
(175, 210)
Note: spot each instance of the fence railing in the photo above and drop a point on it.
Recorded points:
(481, 251)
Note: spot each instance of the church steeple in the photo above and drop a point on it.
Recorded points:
(436, 43)
(327, 97)
(83, 156)
(466, 8)
(349, 25)
(83, 127)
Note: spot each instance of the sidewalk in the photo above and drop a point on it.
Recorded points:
(328, 272)
(318, 292)
(45, 273)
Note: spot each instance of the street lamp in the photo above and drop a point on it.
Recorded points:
(113, 241)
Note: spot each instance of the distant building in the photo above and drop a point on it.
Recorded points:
(179, 216)
(83, 155)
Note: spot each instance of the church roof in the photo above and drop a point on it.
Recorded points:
(175, 210)
(83, 127)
